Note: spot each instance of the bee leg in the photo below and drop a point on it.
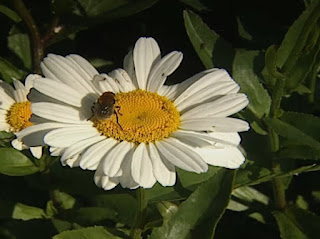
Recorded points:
(118, 109)
(92, 110)
(116, 113)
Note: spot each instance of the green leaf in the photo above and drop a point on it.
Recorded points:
(87, 233)
(298, 152)
(63, 199)
(19, 43)
(297, 223)
(297, 36)
(108, 9)
(25, 212)
(210, 47)
(10, 13)
(288, 229)
(244, 73)
(307, 123)
(8, 70)
(293, 133)
(203, 209)
(14, 163)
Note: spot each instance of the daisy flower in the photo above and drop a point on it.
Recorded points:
(130, 127)
(15, 110)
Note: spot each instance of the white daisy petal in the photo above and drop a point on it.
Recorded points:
(4, 126)
(202, 81)
(17, 144)
(20, 93)
(59, 68)
(83, 65)
(105, 83)
(73, 161)
(59, 91)
(65, 137)
(33, 135)
(59, 113)
(92, 156)
(227, 157)
(113, 160)
(103, 181)
(225, 139)
(222, 107)
(141, 167)
(181, 156)
(123, 79)
(196, 139)
(29, 82)
(173, 91)
(56, 151)
(36, 151)
(209, 93)
(145, 53)
(163, 171)
(215, 124)
(128, 66)
(126, 179)
(162, 69)
(80, 147)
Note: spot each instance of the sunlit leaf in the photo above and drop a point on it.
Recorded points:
(15, 163)
(204, 207)
(210, 47)
(25, 212)
(244, 73)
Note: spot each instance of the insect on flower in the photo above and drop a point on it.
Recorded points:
(105, 107)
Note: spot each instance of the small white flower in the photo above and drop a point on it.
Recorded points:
(140, 130)
(15, 110)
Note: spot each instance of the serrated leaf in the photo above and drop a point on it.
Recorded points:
(25, 212)
(15, 163)
(63, 199)
(87, 233)
(8, 70)
(204, 206)
(244, 74)
(10, 13)
(19, 43)
(210, 47)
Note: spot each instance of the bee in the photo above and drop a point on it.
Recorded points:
(105, 107)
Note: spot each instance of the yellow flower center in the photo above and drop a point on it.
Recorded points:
(18, 116)
(142, 117)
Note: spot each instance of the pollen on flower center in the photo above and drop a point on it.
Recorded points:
(18, 116)
(142, 117)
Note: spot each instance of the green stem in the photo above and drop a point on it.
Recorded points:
(279, 190)
(36, 43)
(137, 227)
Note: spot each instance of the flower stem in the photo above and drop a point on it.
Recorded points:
(36, 43)
(137, 227)
(279, 190)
